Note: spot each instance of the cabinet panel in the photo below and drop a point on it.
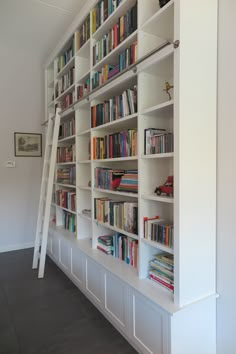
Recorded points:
(77, 262)
(55, 247)
(116, 300)
(49, 244)
(149, 326)
(94, 281)
(64, 254)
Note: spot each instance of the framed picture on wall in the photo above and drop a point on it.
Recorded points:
(28, 144)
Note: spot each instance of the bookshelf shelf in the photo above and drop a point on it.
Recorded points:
(121, 123)
(69, 65)
(66, 185)
(156, 198)
(123, 7)
(116, 229)
(158, 245)
(158, 156)
(161, 24)
(109, 59)
(69, 89)
(125, 194)
(68, 210)
(166, 107)
(118, 159)
(84, 50)
(164, 54)
(68, 139)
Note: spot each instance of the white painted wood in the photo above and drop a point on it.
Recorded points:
(94, 281)
(77, 265)
(65, 255)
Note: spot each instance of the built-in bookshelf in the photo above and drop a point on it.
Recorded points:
(133, 144)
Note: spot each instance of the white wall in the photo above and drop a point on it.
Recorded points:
(226, 239)
(21, 109)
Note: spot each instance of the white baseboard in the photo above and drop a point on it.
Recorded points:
(20, 246)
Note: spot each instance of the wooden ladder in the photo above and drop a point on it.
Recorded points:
(45, 200)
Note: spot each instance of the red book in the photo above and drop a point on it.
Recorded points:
(162, 282)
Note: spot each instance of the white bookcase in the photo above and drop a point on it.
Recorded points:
(153, 319)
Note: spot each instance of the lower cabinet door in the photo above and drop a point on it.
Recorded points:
(64, 254)
(116, 301)
(77, 266)
(49, 244)
(150, 326)
(94, 281)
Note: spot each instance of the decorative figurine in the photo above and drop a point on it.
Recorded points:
(163, 2)
(168, 87)
(167, 188)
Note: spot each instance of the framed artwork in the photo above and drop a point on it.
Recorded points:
(28, 144)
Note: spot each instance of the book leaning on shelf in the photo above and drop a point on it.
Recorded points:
(159, 231)
(69, 221)
(66, 199)
(157, 141)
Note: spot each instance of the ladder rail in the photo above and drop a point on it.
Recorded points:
(42, 194)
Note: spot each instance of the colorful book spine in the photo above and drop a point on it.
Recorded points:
(66, 199)
(66, 154)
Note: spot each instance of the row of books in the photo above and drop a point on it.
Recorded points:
(159, 231)
(67, 100)
(115, 108)
(69, 221)
(66, 199)
(66, 154)
(157, 141)
(83, 89)
(82, 35)
(122, 144)
(116, 179)
(64, 58)
(66, 175)
(65, 82)
(161, 270)
(123, 215)
(125, 26)
(67, 128)
(102, 11)
(120, 246)
(126, 58)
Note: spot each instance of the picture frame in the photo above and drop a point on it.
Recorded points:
(28, 144)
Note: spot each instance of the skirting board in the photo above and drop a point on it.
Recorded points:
(20, 246)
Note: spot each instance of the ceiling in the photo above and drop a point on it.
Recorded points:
(35, 26)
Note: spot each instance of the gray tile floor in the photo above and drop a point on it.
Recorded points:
(49, 315)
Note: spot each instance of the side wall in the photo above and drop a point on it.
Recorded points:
(226, 238)
(21, 110)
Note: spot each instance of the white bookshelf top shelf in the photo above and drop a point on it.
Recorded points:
(118, 159)
(69, 211)
(121, 10)
(117, 229)
(161, 24)
(69, 89)
(84, 161)
(84, 51)
(66, 185)
(157, 245)
(121, 123)
(166, 107)
(157, 198)
(68, 139)
(111, 58)
(158, 156)
(69, 65)
(114, 192)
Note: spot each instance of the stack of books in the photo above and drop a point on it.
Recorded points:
(157, 141)
(159, 231)
(66, 175)
(162, 270)
(129, 181)
(105, 244)
(107, 178)
(66, 154)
